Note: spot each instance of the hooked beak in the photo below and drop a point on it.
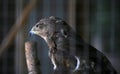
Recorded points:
(32, 31)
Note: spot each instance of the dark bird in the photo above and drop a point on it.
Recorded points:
(68, 52)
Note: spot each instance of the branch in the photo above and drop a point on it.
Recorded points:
(33, 63)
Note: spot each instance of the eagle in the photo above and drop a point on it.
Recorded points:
(68, 52)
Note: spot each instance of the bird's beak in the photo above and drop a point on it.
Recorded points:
(31, 31)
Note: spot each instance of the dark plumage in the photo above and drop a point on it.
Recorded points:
(67, 50)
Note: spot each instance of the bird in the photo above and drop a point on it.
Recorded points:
(68, 51)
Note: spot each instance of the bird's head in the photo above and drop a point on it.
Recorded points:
(42, 28)
(46, 27)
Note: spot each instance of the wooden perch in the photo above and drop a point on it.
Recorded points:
(33, 63)
(20, 22)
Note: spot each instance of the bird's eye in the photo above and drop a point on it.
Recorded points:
(37, 25)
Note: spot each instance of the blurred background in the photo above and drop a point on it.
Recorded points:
(97, 21)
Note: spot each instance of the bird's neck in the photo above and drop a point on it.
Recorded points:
(47, 40)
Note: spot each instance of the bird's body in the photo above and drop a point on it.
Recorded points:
(68, 51)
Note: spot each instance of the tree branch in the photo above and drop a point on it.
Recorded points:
(33, 63)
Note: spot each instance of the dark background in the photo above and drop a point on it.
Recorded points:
(97, 21)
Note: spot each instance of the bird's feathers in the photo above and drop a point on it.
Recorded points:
(67, 49)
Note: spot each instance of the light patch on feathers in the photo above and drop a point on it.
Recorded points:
(62, 31)
(58, 21)
(44, 37)
(54, 64)
(78, 63)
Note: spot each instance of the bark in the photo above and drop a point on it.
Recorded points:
(33, 63)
